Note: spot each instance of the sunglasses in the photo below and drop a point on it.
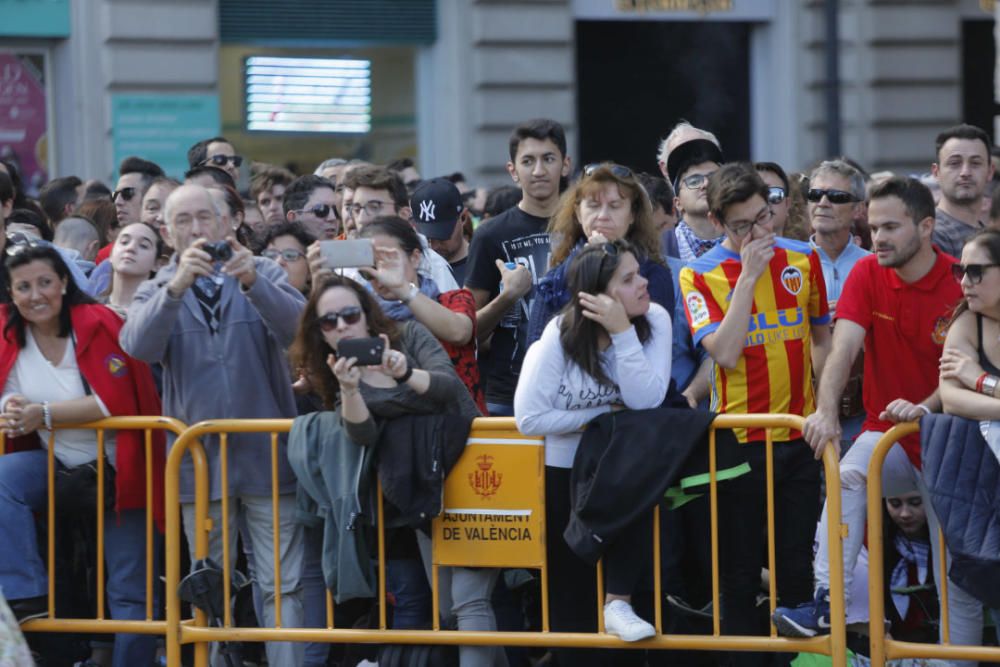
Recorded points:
(350, 315)
(320, 210)
(221, 160)
(288, 254)
(125, 193)
(695, 181)
(775, 194)
(833, 196)
(18, 242)
(973, 271)
(616, 169)
(610, 249)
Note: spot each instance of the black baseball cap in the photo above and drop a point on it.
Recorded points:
(436, 205)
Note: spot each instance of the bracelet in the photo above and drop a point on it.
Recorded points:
(923, 407)
(47, 415)
(979, 382)
(406, 375)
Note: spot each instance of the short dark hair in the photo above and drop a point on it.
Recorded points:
(199, 152)
(456, 177)
(540, 129)
(733, 183)
(14, 173)
(300, 190)
(294, 229)
(136, 165)
(500, 199)
(32, 215)
(916, 196)
(98, 190)
(660, 192)
(962, 131)
(379, 178)
(55, 194)
(220, 176)
(775, 169)
(6, 188)
(266, 177)
(399, 164)
(74, 295)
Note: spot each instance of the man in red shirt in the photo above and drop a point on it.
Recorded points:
(897, 303)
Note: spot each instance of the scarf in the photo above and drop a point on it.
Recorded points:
(910, 553)
(693, 243)
(399, 311)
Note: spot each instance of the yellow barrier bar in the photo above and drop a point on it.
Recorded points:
(943, 578)
(382, 624)
(227, 563)
(600, 596)
(100, 524)
(657, 575)
(772, 572)
(329, 610)
(276, 531)
(148, 445)
(713, 499)
(51, 547)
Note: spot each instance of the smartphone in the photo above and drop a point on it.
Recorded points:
(368, 351)
(351, 253)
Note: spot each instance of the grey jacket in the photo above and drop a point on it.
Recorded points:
(239, 373)
(335, 488)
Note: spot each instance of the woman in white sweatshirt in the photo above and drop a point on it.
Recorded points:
(608, 349)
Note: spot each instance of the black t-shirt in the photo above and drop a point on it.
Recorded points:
(512, 236)
(458, 269)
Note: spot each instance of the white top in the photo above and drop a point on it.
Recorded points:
(35, 378)
(555, 398)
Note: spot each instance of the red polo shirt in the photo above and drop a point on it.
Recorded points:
(905, 326)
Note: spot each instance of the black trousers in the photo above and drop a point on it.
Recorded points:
(743, 538)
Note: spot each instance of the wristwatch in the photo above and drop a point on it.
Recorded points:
(414, 290)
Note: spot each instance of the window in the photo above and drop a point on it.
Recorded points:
(308, 95)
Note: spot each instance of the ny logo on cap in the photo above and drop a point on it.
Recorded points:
(427, 210)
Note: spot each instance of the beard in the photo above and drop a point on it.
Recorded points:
(902, 255)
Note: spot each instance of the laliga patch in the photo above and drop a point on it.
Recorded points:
(697, 308)
(791, 278)
(115, 363)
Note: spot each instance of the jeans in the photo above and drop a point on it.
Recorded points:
(500, 410)
(464, 593)
(259, 522)
(22, 572)
(407, 580)
(742, 537)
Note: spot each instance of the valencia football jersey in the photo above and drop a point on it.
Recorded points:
(774, 373)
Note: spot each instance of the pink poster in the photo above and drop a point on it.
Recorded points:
(22, 117)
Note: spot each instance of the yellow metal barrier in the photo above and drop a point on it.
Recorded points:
(487, 431)
(99, 623)
(882, 647)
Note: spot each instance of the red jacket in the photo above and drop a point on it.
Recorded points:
(126, 387)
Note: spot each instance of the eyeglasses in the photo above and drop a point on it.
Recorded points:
(696, 181)
(618, 170)
(320, 210)
(371, 209)
(288, 254)
(775, 195)
(350, 315)
(126, 194)
(221, 160)
(741, 228)
(973, 271)
(833, 196)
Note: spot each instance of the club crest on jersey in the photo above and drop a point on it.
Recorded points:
(791, 278)
(940, 330)
(116, 365)
(697, 308)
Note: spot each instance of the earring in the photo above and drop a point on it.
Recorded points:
(64, 291)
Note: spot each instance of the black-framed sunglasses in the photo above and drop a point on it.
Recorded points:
(288, 254)
(320, 210)
(776, 194)
(621, 171)
(125, 193)
(973, 271)
(609, 249)
(18, 242)
(221, 160)
(833, 196)
(350, 315)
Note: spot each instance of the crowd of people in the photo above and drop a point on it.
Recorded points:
(611, 312)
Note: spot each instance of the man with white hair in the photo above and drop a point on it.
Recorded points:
(219, 320)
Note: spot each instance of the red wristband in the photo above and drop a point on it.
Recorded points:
(979, 382)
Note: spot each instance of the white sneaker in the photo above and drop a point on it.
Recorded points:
(621, 620)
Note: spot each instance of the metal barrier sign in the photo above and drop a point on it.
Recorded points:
(494, 500)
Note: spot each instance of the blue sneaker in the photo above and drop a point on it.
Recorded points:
(806, 620)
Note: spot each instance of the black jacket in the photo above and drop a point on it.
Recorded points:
(415, 454)
(625, 463)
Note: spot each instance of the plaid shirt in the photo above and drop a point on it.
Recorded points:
(689, 245)
(950, 234)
